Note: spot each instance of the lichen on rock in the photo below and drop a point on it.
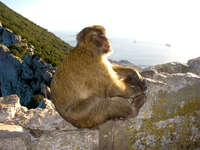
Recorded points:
(170, 118)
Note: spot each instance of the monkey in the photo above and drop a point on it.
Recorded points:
(87, 89)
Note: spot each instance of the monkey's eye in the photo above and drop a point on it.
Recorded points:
(101, 35)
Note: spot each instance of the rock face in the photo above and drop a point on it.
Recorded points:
(25, 77)
(168, 120)
(7, 37)
(39, 129)
(9, 106)
(173, 67)
(194, 65)
(9, 71)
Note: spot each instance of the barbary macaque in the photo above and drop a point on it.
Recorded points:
(87, 89)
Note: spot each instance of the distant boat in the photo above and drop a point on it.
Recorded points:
(168, 45)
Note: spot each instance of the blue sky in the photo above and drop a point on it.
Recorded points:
(161, 21)
(18, 4)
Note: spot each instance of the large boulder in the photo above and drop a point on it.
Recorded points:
(194, 65)
(8, 107)
(41, 129)
(7, 37)
(9, 72)
(14, 137)
(170, 118)
(23, 77)
(172, 67)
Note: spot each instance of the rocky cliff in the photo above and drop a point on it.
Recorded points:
(7, 37)
(28, 77)
(170, 119)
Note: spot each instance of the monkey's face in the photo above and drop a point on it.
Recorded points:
(101, 43)
(94, 38)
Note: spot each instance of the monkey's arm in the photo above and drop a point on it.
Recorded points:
(122, 70)
(95, 110)
(127, 72)
(130, 76)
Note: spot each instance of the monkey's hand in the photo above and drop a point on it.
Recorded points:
(138, 101)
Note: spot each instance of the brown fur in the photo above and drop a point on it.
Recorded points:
(87, 90)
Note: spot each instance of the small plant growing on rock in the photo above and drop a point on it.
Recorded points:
(35, 101)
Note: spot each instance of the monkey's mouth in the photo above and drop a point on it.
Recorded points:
(102, 42)
(106, 45)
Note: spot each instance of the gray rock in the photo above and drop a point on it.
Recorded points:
(173, 67)
(43, 129)
(10, 131)
(7, 37)
(37, 63)
(14, 137)
(13, 72)
(23, 76)
(8, 107)
(47, 76)
(46, 119)
(194, 65)
(25, 93)
(148, 72)
(69, 140)
(9, 72)
(27, 60)
(30, 51)
(169, 118)
(27, 73)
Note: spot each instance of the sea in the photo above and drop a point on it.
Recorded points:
(140, 53)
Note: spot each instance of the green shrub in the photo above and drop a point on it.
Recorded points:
(17, 50)
(35, 101)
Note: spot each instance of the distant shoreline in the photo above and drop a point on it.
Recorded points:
(139, 53)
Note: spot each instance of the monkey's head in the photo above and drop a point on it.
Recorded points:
(94, 38)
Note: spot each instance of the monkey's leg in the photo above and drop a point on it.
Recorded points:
(95, 110)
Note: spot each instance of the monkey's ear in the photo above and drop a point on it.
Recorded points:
(81, 35)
